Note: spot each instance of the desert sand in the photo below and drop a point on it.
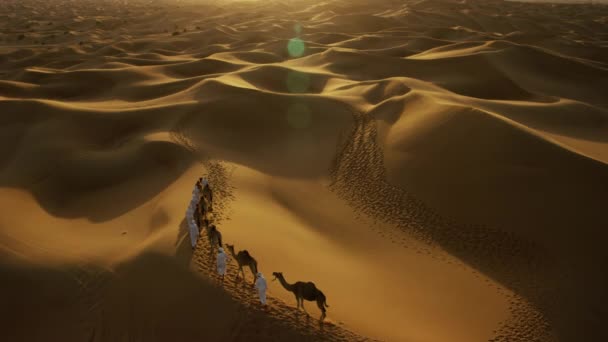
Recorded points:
(438, 168)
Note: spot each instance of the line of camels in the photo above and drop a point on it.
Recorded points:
(301, 290)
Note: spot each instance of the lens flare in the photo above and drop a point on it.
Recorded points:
(295, 47)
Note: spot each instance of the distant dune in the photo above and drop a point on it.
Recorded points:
(438, 168)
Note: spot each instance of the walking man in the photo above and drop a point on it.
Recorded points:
(194, 233)
(222, 261)
(260, 284)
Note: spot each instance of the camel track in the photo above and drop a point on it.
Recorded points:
(358, 176)
(92, 287)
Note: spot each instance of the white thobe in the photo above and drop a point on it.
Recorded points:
(189, 215)
(261, 285)
(193, 233)
(222, 259)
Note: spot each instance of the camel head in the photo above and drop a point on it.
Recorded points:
(277, 275)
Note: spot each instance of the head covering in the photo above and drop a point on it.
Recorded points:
(259, 274)
(205, 181)
(221, 250)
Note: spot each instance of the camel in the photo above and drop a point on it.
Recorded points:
(201, 210)
(199, 184)
(215, 237)
(198, 215)
(206, 203)
(207, 194)
(304, 290)
(243, 258)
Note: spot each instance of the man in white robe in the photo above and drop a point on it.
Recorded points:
(260, 284)
(194, 233)
(189, 214)
(222, 261)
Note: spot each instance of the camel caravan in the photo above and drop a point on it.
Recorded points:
(199, 215)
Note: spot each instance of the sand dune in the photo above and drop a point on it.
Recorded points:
(438, 168)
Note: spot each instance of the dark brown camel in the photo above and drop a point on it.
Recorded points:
(207, 195)
(199, 185)
(304, 290)
(198, 216)
(201, 211)
(243, 258)
(215, 237)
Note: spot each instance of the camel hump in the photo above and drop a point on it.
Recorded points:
(310, 287)
(246, 252)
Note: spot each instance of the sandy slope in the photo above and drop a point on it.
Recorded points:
(438, 168)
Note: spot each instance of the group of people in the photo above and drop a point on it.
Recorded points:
(200, 206)
(191, 218)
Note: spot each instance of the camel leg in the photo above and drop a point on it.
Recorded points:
(321, 306)
(297, 302)
(254, 275)
(242, 272)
